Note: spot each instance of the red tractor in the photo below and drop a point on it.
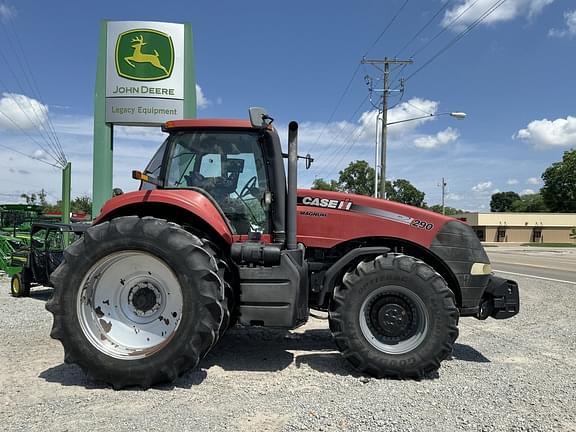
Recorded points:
(216, 236)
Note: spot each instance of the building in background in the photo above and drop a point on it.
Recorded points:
(521, 227)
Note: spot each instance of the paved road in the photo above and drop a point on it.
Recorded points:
(549, 263)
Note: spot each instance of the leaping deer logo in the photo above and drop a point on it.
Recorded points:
(138, 57)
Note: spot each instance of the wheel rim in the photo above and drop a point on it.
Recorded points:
(394, 319)
(130, 305)
(16, 285)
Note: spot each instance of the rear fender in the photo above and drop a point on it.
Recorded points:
(180, 206)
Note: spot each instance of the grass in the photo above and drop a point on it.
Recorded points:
(558, 245)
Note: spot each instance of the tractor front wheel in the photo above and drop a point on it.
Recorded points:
(394, 316)
(137, 301)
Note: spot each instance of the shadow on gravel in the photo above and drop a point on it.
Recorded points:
(265, 350)
(467, 353)
(257, 350)
(72, 375)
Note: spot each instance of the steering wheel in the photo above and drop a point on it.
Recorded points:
(250, 184)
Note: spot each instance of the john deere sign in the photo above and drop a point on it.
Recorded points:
(145, 77)
(144, 55)
(144, 72)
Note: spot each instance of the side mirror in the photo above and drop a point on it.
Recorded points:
(259, 118)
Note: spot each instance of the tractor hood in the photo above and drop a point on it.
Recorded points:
(326, 219)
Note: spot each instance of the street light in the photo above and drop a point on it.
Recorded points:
(458, 115)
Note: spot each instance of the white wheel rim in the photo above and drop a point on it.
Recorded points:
(419, 325)
(130, 305)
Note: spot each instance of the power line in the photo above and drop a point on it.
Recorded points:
(418, 108)
(463, 33)
(29, 136)
(356, 71)
(424, 27)
(348, 143)
(34, 117)
(28, 156)
(341, 146)
(14, 97)
(387, 27)
(32, 82)
(437, 35)
(338, 104)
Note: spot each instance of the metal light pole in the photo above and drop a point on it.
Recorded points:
(382, 193)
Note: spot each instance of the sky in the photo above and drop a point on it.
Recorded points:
(513, 74)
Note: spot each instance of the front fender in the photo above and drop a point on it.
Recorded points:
(190, 201)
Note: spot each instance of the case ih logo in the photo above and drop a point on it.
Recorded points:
(144, 55)
(326, 203)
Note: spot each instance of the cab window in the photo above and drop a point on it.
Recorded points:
(228, 166)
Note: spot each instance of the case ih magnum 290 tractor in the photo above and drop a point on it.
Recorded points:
(215, 236)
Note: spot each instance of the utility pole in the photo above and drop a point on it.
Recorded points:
(385, 93)
(443, 194)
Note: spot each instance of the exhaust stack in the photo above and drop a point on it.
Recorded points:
(291, 243)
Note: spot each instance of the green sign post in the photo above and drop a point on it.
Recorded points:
(145, 77)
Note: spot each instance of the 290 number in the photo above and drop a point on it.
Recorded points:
(422, 224)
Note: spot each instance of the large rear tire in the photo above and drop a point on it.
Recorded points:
(137, 301)
(394, 316)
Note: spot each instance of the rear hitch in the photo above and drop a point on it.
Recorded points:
(501, 300)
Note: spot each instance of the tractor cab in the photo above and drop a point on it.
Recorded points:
(238, 165)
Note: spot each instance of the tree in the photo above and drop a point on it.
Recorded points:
(82, 203)
(357, 178)
(403, 191)
(321, 184)
(502, 201)
(559, 190)
(530, 203)
(448, 211)
(30, 199)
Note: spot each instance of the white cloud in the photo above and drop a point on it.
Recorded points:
(570, 30)
(21, 112)
(549, 133)
(495, 191)
(414, 108)
(451, 196)
(482, 186)
(40, 154)
(6, 12)
(534, 181)
(527, 192)
(140, 133)
(446, 136)
(512, 182)
(201, 100)
(471, 10)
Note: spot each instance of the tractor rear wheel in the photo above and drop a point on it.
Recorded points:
(137, 301)
(394, 316)
(19, 286)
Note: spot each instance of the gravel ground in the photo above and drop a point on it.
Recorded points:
(514, 375)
